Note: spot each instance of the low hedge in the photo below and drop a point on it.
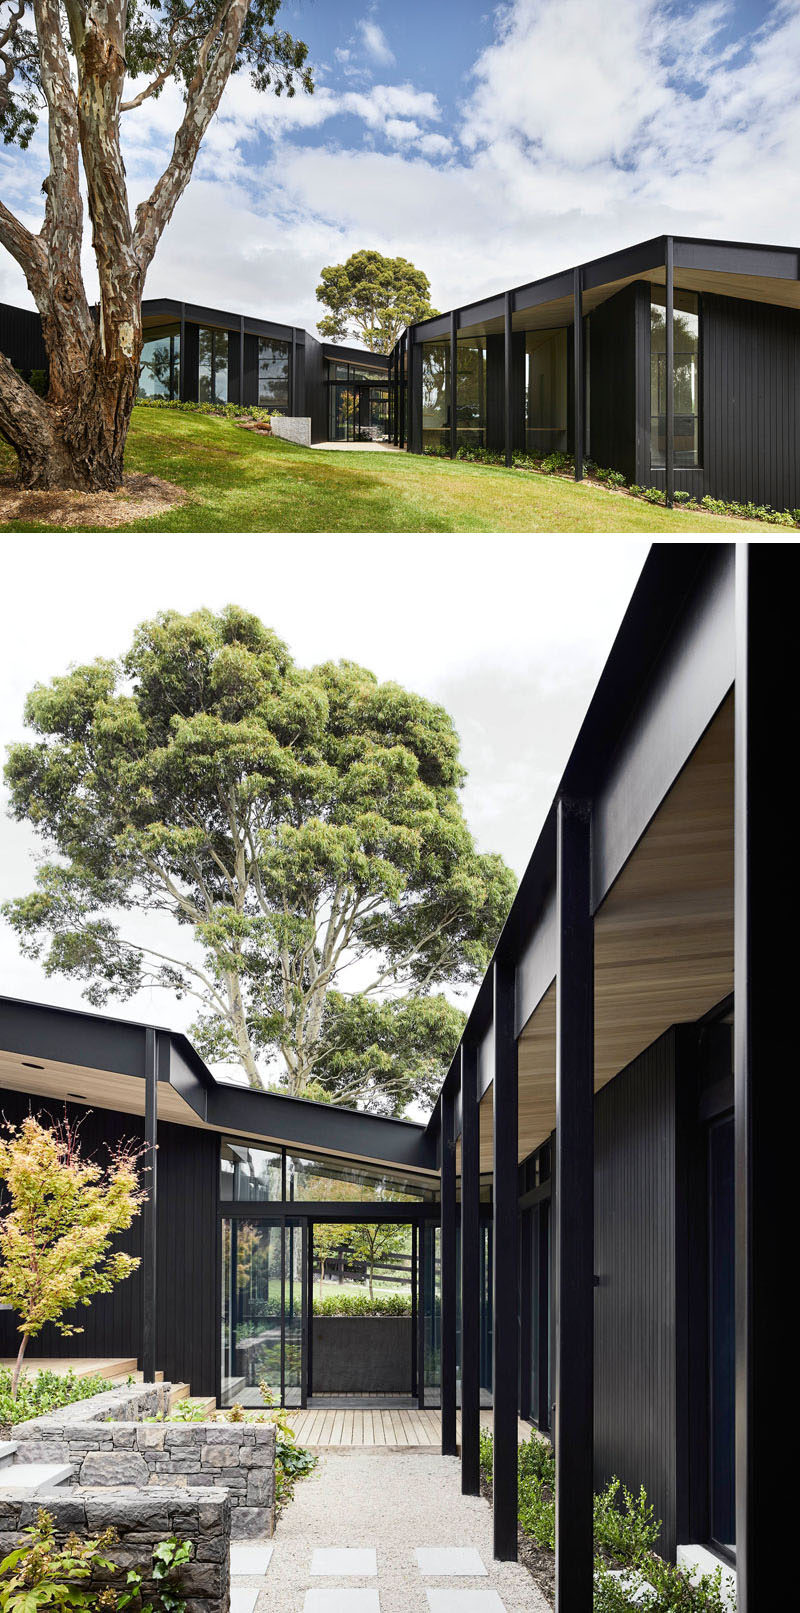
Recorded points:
(362, 1305)
(224, 411)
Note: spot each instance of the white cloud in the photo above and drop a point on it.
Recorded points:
(375, 42)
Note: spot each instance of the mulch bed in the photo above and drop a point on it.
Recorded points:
(139, 497)
(541, 1565)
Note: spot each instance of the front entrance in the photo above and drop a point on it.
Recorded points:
(359, 412)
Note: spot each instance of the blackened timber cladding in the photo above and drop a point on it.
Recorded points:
(188, 1169)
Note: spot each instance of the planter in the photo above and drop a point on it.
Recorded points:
(361, 1355)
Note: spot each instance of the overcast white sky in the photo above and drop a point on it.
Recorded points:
(508, 633)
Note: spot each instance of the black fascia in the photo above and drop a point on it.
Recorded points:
(321, 1127)
(356, 355)
(672, 574)
(220, 319)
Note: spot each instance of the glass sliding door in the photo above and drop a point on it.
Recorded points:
(264, 1313)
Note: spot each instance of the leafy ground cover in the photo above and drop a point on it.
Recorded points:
(240, 481)
(41, 1392)
(362, 1305)
(629, 1574)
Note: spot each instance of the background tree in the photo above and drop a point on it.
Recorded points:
(302, 827)
(73, 62)
(55, 1233)
(329, 1238)
(372, 1243)
(372, 299)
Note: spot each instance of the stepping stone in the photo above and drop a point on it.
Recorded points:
(457, 1601)
(250, 1560)
(243, 1598)
(463, 1560)
(349, 1601)
(340, 1560)
(34, 1475)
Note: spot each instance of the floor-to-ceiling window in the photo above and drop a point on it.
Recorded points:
(471, 392)
(213, 369)
(686, 338)
(273, 373)
(546, 391)
(436, 395)
(160, 363)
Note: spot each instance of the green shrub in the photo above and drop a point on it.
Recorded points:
(681, 497)
(44, 1573)
(624, 1525)
(43, 1392)
(672, 1590)
(362, 1305)
(436, 450)
(486, 1445)
(225, 411)
(480, 456)
(555, 462)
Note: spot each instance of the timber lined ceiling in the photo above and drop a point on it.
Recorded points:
(102, 1089)
(663, 938)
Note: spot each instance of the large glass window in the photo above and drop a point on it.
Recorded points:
(471, 393)
(313, 1177)
(251, 1310)
(436, 395)
(686, 338)
(546, 391)
(249, 1173)
(160, 364)
(213, 378)
(273, 373)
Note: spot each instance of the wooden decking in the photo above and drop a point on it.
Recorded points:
(115, 1368)
(401, 1429)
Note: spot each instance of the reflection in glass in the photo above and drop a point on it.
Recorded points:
(686, 338)
(273, 373)
(471, 393)
(315, 1178)
(249, 1173)
(293, 1316)
(160, 364)
(546, 391)
(213, 376)
(436, 394)
(251, 1310)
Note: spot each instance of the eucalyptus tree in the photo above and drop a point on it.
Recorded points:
(84, 64)
(303, 828)
(372, 298)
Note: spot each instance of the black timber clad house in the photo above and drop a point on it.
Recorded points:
(706, 401)
(602, 1183)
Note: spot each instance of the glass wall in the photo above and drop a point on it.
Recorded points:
(160, 364)
(471, 393)
(213, 378)
(546, 391)
(310, 1178)
(436, 395)
(251, 1309)
(686, 338)
(249, 1173)
(273, 373)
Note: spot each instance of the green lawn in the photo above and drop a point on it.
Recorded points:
(241, 482)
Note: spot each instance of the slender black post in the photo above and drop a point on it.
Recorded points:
(453, 384)
(470, 1274)
(411, 400)
(182, 357)
(574, 1212)
(508, 396)
(505, 1343)
(764, 978)
(669, 320)
(421, 1319)
(414, 1243)
(577, 387)
(448, 1258)
(294, 371)
(149, 1232)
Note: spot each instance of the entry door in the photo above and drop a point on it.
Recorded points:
(264, 1310)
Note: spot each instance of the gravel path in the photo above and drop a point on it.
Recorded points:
(392, 1501)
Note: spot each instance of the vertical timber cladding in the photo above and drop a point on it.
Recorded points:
(751, 400)
(495, 392)
(612, 393)
(635, 1404)
(188, 1302)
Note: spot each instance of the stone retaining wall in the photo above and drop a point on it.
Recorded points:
(108, 1445)
(203, 1517)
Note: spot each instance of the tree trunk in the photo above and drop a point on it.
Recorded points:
(15, 1376)
(80, 443)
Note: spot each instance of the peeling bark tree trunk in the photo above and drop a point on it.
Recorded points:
(78, 441)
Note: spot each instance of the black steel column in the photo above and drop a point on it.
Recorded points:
(411, 402)
(414, 1244)
(182, 357)
(577, 385)
(508, 392)
(294, 370)
(421, 1318)
(470, 1274)
(506, 1245)
(149, 1226)
(453, 384)
(241, 359)
(669, 320)
(765, 876)
(574, 1240)
(449, 1280)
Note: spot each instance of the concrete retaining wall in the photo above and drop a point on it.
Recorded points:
(141, 1521)
(292, 428)
(108, 1444)
(370, 1354)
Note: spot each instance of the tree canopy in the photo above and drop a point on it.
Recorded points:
(302, 827)
(372, 299)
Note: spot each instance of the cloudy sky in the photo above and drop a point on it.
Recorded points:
(487, 145)
(509, 636)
